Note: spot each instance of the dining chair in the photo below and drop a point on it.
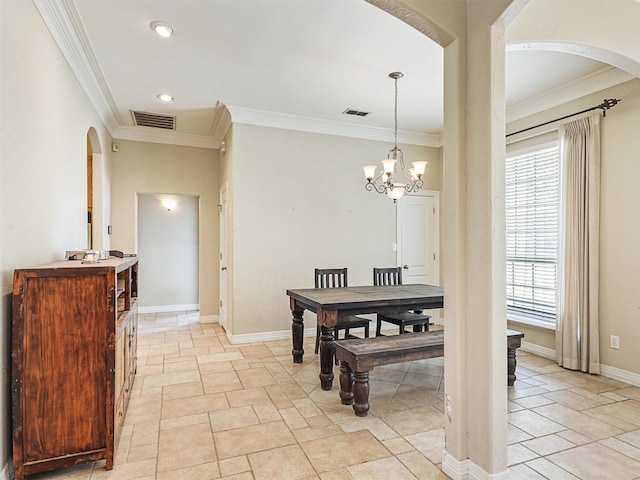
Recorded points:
(337, 278)
(413, 318)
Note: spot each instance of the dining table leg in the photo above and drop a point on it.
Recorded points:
(297, 332)
(327, 354)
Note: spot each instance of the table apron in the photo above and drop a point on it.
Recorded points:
(362, 309)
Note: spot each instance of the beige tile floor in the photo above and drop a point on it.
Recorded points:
(204, 409)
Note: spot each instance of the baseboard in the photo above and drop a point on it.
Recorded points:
(286, 335)
(454, 468)
(7, 471)
(605, 370)
(477, 473)
(189, 307)
(538, 350)
(267, 336)
(620, 375)
(209, 319)
(467, 470)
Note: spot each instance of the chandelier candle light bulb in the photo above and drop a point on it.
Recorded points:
(370, 172)
(388, 181)
(388, 165)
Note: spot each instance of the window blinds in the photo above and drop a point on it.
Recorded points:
(532, 203)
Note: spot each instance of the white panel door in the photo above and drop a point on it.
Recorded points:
(223, 257)
(417, 238)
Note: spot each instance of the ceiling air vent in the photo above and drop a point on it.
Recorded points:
(155, 120)
(357, 113)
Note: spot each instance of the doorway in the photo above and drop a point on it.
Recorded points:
(223, 257)
(168, 247)
(89, 194)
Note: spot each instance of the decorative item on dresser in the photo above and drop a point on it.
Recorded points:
(74, 332)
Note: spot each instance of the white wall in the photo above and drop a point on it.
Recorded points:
(168, 242)
(299, 203)
(43, 162)
(141, 167)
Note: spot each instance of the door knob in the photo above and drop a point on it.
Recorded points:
(406, 267)
(223, 268)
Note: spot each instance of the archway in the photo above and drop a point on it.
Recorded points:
(97, 194)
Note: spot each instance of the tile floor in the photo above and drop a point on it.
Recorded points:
(204, 409)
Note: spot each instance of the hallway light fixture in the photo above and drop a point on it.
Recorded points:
(169, 204)
(388, 181)
(162, 28)
(165, 97)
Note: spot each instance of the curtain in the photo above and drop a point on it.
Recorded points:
(577, 336)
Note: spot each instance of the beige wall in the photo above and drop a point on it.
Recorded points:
(619, 231)
(141, 167)
(43, 149)
(299, 203)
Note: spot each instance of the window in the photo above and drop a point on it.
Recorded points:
(532, 205)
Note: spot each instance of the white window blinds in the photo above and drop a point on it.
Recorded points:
(532, 199)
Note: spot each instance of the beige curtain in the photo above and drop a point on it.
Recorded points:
(577, 337)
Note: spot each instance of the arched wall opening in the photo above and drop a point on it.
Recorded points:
(97, 194)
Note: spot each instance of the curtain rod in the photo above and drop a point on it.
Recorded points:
(604, 106)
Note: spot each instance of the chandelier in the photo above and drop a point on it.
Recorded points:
(388, 181)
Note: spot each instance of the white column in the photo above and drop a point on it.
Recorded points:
(475, 322)
(472, 34)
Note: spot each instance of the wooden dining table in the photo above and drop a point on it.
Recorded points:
(330, 303)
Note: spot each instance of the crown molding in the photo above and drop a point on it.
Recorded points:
(602, 79)
(169, 137)
(63, 21)
(263, 118)
(221, 122)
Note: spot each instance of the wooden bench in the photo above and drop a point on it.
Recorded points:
(358, 356)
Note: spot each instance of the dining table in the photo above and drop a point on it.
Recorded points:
(330, 303)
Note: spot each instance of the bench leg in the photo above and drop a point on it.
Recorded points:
(346, 384)
(361, 393)
(511, 366)
(327, 354)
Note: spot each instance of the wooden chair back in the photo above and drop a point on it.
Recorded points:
(331, 277)
(387, 276)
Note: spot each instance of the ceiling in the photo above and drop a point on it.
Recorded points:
(293, 63)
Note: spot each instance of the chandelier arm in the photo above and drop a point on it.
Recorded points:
(414, 186)
(405, 170)
(375, 180)
(370, 186)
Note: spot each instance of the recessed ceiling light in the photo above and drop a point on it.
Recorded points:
(165, 97)
(162, 29)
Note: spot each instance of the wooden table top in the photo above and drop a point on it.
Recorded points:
(369, 297)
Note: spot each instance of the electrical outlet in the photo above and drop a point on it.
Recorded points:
(614, 341)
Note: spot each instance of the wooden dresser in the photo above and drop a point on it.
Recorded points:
(74, 336)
